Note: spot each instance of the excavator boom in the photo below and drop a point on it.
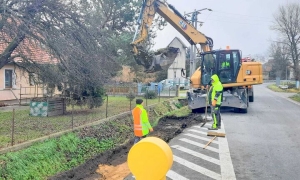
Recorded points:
(180, 23)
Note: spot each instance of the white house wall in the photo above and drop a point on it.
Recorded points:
(179, 63)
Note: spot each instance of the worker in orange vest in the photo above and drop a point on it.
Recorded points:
(140, 121)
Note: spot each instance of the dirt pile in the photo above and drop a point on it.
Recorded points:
(112, 165)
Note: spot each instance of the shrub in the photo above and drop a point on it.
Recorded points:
(150, 95)
(130, 96)
(178, 105)
(291, 86)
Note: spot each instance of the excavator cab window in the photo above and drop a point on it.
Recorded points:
(224, 63)
(229, 64)
(208, 67)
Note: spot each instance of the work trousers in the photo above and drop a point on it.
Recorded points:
(137, 139)
(215, 113)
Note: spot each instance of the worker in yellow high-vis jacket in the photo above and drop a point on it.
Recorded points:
(142, 127)
(215, 101)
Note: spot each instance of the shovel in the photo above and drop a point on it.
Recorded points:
(206, 101)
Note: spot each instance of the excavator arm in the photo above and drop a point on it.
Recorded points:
(172, 16)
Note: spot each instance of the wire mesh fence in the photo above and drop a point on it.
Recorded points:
(18, 125)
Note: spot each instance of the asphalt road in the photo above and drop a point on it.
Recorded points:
(265, 142)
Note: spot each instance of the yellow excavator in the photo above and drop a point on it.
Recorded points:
(237, 75)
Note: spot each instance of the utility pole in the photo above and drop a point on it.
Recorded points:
(193, 51)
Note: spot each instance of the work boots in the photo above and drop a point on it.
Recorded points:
(216, 128)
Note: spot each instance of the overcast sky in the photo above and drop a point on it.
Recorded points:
(240, 24)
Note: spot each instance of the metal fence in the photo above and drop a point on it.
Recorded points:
(162, 89)
(17, 126)
(279, 82)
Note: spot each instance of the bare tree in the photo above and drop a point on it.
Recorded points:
(287, 24)
(280, 54)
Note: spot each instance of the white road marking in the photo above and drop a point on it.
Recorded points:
(197, 154)
(227, 170)
(199, 144)
(197, 168)
(173, 175)
(207, 125)
(201, 138)
(199, 132)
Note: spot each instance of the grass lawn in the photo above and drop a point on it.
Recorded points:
(296, 97)
(28, 128)
(275, 88)
(180, 113)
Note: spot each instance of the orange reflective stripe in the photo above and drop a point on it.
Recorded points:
(137, 121)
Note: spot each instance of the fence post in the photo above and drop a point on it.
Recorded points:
(72, 116)
(106, 105)
(177, 90)
(147, 94)
(159, 95)
(13, 128)
(20, 94)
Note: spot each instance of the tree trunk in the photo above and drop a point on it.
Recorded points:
(5, 56)
(297, 72)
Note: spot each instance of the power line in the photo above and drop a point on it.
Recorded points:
(260, 17)
(244, 19)
(207, 16)
(235, 22)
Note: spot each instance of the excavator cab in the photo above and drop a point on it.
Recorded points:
(224, 63)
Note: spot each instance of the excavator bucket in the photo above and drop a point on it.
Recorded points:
(157, 61)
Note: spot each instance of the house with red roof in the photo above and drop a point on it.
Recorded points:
(16, 83)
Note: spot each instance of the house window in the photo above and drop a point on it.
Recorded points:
(8, 78)
(31, 79)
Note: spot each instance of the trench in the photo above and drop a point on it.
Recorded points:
(112, 164)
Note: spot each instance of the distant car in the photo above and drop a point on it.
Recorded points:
(171, 83)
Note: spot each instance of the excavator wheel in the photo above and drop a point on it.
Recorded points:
(200, 110)
(251, 98)
(239, 110)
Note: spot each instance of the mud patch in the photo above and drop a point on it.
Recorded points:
(112, 164)
(113, 172)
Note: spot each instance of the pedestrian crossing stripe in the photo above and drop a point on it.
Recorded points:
(197, 154)
(199, 145)
(197, 168)
(201, 138)
(173, 175)
(198, 132)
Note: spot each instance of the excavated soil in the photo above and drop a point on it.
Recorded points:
(112, 164)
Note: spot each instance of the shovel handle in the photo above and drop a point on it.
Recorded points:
(209, 142)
